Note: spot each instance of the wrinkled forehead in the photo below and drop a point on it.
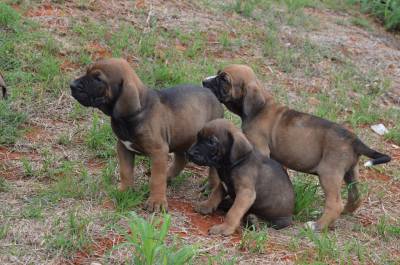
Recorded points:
(217, 128)
(240, 73)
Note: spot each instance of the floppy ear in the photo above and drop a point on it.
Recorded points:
(254, 100)
(240, 146)
(128, 101)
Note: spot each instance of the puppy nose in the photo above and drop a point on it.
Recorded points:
(74, 85)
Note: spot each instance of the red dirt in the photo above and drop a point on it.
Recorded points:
(98, 249)
(372, 174)
(43, 11)
(97, 51)
(95, 165)
(200, 224)
(6, 155)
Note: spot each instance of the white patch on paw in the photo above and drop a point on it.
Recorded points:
(311, 225)
(210, 77)
(368, 163)
(128, 146)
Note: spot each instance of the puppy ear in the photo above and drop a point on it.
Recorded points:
(254, 99)
(128, 101)
(240, 146)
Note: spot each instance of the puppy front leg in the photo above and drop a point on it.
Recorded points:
(245, 198)
(126, 161)
(158, 182)
(209, 205)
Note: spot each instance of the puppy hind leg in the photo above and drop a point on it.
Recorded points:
(353, 199)
(177, 166)
(331, 185)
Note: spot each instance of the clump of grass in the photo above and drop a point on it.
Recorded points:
(387, 230)
(8, 16)
(325, 244)
(361, 22)
(387, 11)
(70, 235)
(100, 138)
(253, 240)
(148, 239)
(3, 185)
(10, 123)
(306, 198)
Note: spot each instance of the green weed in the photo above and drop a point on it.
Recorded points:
(70, 234)
(307, 198)
(361, 22)
(387, 230)
(4, 227)
(325, 244)
(387, 11)
(254, 241)
(8, 16)
(148, 239)
(3, 185)
(10, 123)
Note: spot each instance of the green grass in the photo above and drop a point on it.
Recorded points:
(361, 22)
(148, 241)
(386, 230)
(4, 186)
(307, 198)
(10, 123)
(100, 138)
(387, 11)
(325, 244)
(69, 234)
(8, 16)
(254, 241)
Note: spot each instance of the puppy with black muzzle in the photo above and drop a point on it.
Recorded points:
(299, 141)
(3, 87)
(255, 184)
(147, 122)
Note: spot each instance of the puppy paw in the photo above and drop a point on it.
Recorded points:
(222, 229)
(154, 204)
(203, 208)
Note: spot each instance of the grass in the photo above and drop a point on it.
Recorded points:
(387, 11)
(10, 123)
(307, 198)
(148, 240)
(254, 241)
(69, 234)
(100, 138)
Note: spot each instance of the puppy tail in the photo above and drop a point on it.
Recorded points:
(377, 158)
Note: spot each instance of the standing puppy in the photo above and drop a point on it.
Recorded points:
(3, 87)
(256, 184)
(147, 122)
(299, 141)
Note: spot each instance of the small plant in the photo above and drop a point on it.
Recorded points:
(325, 244)
(3, 185)
(148, 238)
(3, 230)
(361, 22)
(387, 11)
(306, 197)
(10, 123)
(69, 235)
(245, 7)
(254, 241)
(8, 16)
(386, 230)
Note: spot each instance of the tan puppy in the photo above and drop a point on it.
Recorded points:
(3, 87)
(147, 122)
(256, 184)
(299, 141)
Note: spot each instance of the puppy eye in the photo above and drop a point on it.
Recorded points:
(211, 142)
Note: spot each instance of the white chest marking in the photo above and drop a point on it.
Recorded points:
(128, 146)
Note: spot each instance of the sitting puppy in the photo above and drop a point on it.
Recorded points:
(147, 122)
(299, 141)
(256, 184)
(3, 87)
